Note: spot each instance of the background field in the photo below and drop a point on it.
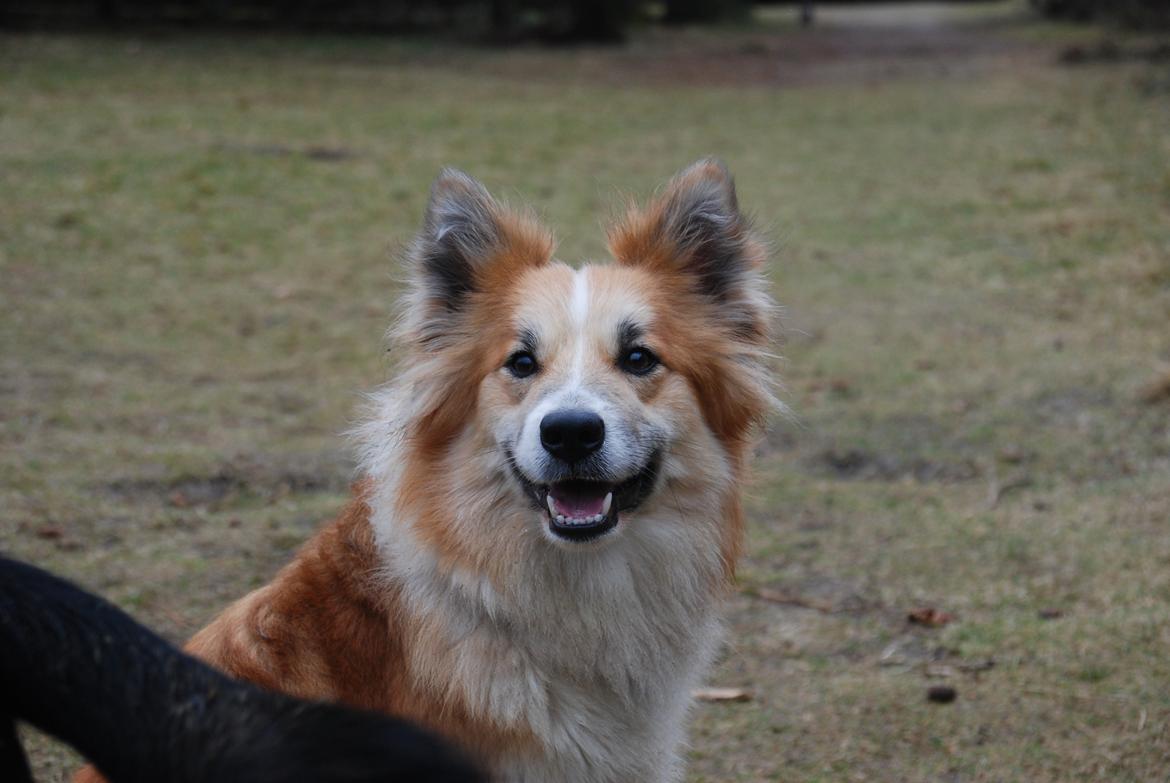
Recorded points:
(197, 241)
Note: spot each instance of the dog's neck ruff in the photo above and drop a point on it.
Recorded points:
(593, 651)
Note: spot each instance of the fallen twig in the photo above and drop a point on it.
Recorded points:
(788, 599)
(997, 491)
(722, 694)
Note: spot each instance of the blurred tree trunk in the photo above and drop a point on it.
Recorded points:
(107, 12)
(503, 19)
(807, 15)
(1135, 13)
(700, 11)
(600, 21)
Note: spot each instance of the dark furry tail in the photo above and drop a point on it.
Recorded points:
(82, 670)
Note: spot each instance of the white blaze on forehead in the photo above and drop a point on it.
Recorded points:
(580, 303)
(579, 316)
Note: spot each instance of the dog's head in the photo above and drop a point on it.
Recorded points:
(588, 391)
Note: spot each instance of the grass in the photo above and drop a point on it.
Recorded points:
(196, 246)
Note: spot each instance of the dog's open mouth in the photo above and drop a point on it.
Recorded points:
(582, 509)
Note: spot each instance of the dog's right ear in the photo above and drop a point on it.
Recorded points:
(469, 242)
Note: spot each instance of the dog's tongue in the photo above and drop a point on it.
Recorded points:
(578, 502)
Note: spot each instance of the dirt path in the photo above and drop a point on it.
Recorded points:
(846, 45)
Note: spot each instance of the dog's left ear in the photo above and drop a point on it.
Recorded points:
(468, 243)
(694, 229)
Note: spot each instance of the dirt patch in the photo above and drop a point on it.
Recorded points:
(911, 649)
(1113, 52)
(857, 464)
(239, 478)
(1066, 405)
(818, 592)
(312, 152)
(910, 446)
(914, 447)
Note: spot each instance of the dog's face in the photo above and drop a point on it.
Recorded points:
(588, 389)
(585, 406)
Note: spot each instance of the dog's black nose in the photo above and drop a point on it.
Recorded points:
(572, 435)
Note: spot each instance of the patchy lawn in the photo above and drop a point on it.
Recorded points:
(973, 246)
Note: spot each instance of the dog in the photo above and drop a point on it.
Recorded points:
(82, 670)
(548, 515)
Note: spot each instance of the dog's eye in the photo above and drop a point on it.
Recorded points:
(638, 361)
(521, 364)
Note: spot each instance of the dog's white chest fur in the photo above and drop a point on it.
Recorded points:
(595, 655)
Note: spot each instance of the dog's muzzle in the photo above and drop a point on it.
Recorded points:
(584, 509)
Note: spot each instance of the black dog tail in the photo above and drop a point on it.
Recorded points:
(82, 670)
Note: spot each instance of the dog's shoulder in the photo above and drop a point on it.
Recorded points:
(323, 628)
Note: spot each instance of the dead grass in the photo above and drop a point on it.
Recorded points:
(196, 247)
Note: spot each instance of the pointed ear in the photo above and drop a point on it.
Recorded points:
(695, 229)
(468, 240)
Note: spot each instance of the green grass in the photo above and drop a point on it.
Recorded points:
(975, 266)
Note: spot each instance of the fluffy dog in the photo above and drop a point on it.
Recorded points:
(549, 513)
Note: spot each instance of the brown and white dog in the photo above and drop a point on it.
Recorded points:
(549, 514)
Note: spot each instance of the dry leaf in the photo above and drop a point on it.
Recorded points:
(49, 532)
(1157, 390)
(929, 617)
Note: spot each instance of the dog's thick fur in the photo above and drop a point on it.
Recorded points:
(84, 671)
(445, 593)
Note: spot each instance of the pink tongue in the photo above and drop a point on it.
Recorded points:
(578, 506)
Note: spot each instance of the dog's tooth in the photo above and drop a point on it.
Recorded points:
(605, 504)
(552, 507)
(561, 518)
(598, 517)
